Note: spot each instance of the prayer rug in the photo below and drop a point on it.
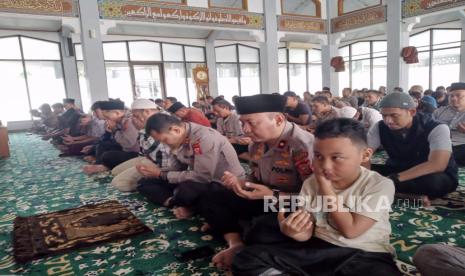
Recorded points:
(46, 234)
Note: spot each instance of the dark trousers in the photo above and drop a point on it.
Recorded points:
(268, 249)
(104, 146)
(459, 154)
(223, 210)
(111, 159)
(433, 185)
(240, 148)
(183, 194)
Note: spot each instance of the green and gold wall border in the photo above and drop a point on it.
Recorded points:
(176, 14)
(67, 8)
(301, 24)
(418, 7)
(359, 19)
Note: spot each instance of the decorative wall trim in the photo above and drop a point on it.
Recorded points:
(418, 7)
(359, 19)
(305, 24)
(67, 8)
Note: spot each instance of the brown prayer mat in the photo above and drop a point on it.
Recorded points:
(43, 235)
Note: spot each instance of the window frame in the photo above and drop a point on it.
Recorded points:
(318, 10)
(245, 6)
(238, 64)
(23, 63)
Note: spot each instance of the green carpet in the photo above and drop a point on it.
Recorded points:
(34, 180)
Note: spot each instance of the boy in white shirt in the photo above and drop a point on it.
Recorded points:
(343, 227)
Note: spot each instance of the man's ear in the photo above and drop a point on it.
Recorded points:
(279, 118)
(367, 153)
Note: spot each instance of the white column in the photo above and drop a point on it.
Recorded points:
(211, 64)
(269, 67)
(329, 49)
(462, 52)
(92, 50)
(69, 67)
(397, 37)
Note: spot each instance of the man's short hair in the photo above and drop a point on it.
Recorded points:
(222, 102)
(376, 92)
(172, 99)
(342, 128)
(95, 106)
(161, 123)
(58, 105)
(321, 99)
(290, 94)
(159, 101)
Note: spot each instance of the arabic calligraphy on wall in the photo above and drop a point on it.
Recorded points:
(155, 12)
(48, 7)
(301, 24)
(359, 19)
(417, 7)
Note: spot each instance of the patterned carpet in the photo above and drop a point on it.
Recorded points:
(34, 180)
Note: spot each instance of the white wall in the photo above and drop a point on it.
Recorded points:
(256, 5)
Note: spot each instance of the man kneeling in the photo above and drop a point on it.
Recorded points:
(347, 234)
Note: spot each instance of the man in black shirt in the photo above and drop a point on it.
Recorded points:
(296, 111)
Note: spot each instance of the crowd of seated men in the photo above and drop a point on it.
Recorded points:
(299, 151)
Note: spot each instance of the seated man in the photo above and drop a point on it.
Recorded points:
(68, 122)
(228, 125)
(440, 259)
(296, 111)
(372, 99)
(152, 152)
(168, 102)
(207, 153)
(322, 110)
(348, 98)
(348, 234)
(368, 116)
(281, 155)
(189, 114)
(48, 120)
(419, 149)
(454, 116)
(120, 125)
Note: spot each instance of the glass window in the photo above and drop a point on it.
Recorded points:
(172, 52)
(315, 77)
(419, 72)
(10, 48)
(34, 49)
(379, 72)
(446, 67)
(344, 52)
(14, 103)
(78, 52)
(248, 54)
(446, 38)
(421, 41)
(232, 4)
(175, 77)
(45, 80)
(360, 50)
(282, 55)
(379, 48)
(115, 51)
(346, 6)
(302, 7)
(194, 54)
(297, 56)
(192, 88)
(144, 51)
(119, 81)
(344, 78)
(226, 54)
(250, 79)
(85, 95)
(228, 85)
(283, 78)
(297, 78)
(361, 73)
(314, 56)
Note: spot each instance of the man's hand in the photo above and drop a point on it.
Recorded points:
(110, 126)
(252, 191)
(86, 149)
(244, 140)
(149, 170)
(298, 225)
(229, 180)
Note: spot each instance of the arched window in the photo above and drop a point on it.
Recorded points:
(344, 6)
(32, 74)
(301, 7)
(238, 70)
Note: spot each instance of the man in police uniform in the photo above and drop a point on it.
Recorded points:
(419, 149)
(229, 125)
(206, 152)
(281, 155)
(454, 116)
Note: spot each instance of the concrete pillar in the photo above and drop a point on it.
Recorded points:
(269, 67)
(69, 67)
(211, 64)
(397, 37)
(92, 50)
(329, 49)
(462, 51)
